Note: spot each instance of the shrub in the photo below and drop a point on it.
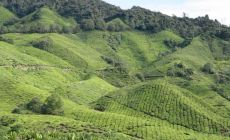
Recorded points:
(189, 71)
(3, 30)
(67, 29)
(224, 34)
(180, 73)
(180, 70)
(88, 24)
(34, 105)
(100, 24)
(173, 45)
(53, 105)
(111, 27)
(55, 28)
(208, 68)
(217, 89)
(43, 44)
(77, 28)
(170, 72)
(116, 25)
(16, 128)
(221, 78)
(8, 40)
(179, 65)
(163, 53)
(11, 21)
(6, 120)
(19, 109)
(140, 76)
(38, 28)
(186, 42)
(100, 107)
(108, 60)
(226, 50)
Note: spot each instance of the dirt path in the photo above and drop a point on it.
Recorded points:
(35, 66)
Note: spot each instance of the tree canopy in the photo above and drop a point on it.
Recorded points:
(93, 14)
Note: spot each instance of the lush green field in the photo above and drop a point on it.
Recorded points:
(88, 70)
(114, 85)
(107, 99)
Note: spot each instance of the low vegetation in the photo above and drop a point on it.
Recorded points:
(85, 69)
(179, 70)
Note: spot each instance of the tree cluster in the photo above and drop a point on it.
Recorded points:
(224, 33)
(179, 70)
(208, 68)
(173, 45)
(39, 28)
(92, 14)
(80, 9)
(43, 43)
(53, 105)
(6, 120)
(85, 25)
(5, 39)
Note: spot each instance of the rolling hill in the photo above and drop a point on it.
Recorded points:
(132, 79)
(6, 15)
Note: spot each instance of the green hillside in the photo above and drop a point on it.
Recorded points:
(6, 15)
(88, 70)
(168, 103)
(73, 67)
(44, 20)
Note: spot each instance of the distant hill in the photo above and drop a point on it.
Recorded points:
(136, 17)
(43, 20)
(6, 15)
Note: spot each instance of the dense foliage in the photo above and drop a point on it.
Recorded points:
(52, 106)
(179, 70)
(93, 14)
(208, 68)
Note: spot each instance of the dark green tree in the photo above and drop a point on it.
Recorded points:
(208, 68)
(55, 28)
(53, 105)
(88, 24)
(77, 28)
(7, 120)
(34, 105)
(100, 24)
(3, 30)
(67, 29)
(111, 27)
(43, 44)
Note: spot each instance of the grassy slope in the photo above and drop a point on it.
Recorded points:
(195, 56)
(45, 17)
(169, 103)
(26, 72)
(6, 15)
(136, 49)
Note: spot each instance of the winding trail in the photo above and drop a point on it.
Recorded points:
(35, 66)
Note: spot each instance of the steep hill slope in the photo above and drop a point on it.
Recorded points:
(6, 15)
(43, 20)
(168, 103)
(84, 68)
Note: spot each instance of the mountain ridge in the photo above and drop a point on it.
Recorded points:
(136, 17)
